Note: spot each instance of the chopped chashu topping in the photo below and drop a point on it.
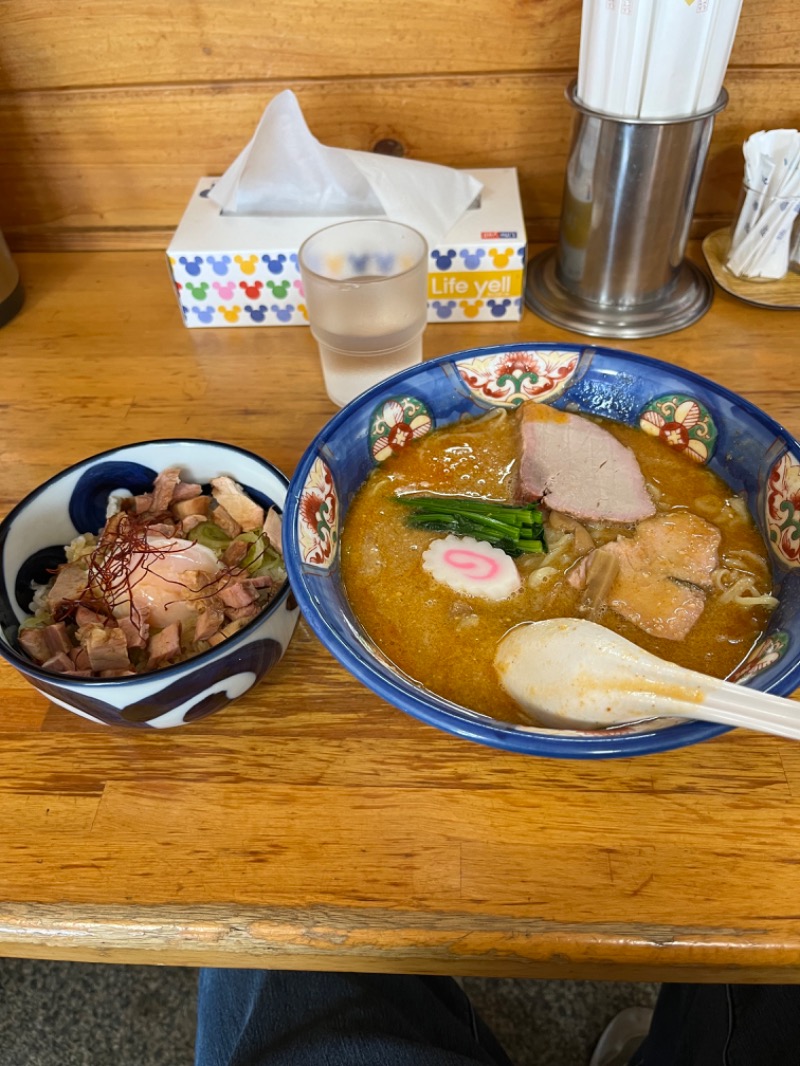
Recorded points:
(240, 507)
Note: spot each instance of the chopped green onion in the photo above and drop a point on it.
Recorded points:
(210, 535)
(261, 558)
(515, 529)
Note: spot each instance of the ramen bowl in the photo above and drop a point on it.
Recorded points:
(32, 539)
(755, 456)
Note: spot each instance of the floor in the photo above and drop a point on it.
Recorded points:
(76, 1014)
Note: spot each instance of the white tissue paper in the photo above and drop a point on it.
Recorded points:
(761, 241)
(286, 171)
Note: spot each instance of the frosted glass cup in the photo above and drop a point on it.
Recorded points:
(366, 290)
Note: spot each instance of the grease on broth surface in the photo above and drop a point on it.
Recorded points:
(447, 641)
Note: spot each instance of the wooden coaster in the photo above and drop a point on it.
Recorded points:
(782, 294)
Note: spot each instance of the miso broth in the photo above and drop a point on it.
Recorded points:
(447, 641)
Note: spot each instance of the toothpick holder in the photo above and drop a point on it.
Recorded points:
(629, 195)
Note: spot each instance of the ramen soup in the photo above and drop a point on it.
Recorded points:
(638, 537)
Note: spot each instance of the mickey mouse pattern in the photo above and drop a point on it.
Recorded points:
(249, 288)
(239, 289)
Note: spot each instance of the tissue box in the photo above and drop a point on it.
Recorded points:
(232, 270)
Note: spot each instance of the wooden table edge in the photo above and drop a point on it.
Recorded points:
(390, 942)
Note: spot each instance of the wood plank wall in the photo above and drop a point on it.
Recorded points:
(110, 110)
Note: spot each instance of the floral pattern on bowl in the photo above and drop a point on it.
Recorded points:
(395, 423)
(513, 375)
(766, 653)
(318, 517)
(783, 508)
(682, 423)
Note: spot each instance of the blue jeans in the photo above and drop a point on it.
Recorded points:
(289, 1018)
(286, 1018)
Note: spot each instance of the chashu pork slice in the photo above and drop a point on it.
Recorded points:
(662, 572)
(578, 467)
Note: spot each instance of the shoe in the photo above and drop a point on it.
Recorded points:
(622, 1037)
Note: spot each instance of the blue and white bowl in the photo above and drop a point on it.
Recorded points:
(750, 451)
(32, 540)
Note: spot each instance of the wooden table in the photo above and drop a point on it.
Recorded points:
(311, 825)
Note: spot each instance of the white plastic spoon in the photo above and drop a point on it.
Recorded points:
(574, 674)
